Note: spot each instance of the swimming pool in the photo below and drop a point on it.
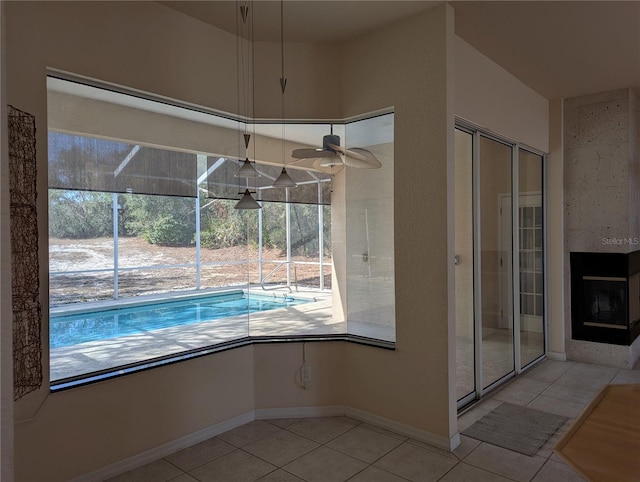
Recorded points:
(72, 329)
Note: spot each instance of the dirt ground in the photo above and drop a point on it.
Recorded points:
(79, 255)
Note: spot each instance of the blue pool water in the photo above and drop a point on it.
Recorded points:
(66, 330)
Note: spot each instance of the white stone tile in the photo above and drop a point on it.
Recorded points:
(158, 471)
(555, 405)
(247, 433)
(374, 474)
(237, 466)
(184, 478)
(467, 445)
(199, 454)
(549, 370)
(322, 429)
(416, 463)
(280, 448)
(468, 473)
(282, 422)
(364, 444)
(325, 465)
(573, 394)
(280, 476)
(504, 462)
(553, 471)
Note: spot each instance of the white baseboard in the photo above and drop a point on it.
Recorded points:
(406, 430)
(300, 412)
(553, 355)
(156, 453)
(340, 410)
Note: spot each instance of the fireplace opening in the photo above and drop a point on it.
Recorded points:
(606, 301)
(605, 297)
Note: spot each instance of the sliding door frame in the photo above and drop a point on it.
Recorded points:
(477, 133)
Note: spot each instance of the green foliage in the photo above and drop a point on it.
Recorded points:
(162, 220)
(222, 226)
(170, 221)
(80, 214)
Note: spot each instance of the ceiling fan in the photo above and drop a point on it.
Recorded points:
(332, 158)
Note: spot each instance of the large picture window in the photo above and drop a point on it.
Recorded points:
(149, 260)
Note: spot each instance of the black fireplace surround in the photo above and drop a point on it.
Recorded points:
(605, 297)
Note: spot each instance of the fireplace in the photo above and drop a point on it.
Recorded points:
(605, 297)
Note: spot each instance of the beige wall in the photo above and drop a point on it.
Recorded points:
(492, 98)
(405, 66)
(147, 46)
(555, 234)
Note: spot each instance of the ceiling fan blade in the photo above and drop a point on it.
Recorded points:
(333, 168)
(358, 157)
(311, 153)
(306, 162)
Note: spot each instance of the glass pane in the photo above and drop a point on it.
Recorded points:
(496, 240)
(80, 246)
(532, 303)
(369, 241)
(465, 364)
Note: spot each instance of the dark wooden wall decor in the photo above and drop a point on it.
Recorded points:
(25, 283)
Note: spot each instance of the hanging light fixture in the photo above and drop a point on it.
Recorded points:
(247, 170)
(283, 180)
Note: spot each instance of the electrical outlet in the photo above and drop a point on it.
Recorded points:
(305, 374)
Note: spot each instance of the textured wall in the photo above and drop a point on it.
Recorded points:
(599, 188)
(601, 195)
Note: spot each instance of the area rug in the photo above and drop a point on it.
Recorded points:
(516, 428)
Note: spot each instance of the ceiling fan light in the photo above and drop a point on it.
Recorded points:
(247, 170)
(247, 202)
(284, 180)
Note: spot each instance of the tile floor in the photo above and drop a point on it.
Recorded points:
(340, 448)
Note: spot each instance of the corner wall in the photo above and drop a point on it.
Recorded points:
(406, 66)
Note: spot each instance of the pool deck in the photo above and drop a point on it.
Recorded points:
(313, 318)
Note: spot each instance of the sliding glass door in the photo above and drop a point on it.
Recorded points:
(499, 239)
(495, 264)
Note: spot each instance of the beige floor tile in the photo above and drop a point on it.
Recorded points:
(587, 377)
(325, 465)
(184, 478)
(237, 466)
(374, 474)
(158, 471)
(527, 384)
(432, 448)
(467, 445)
(515, 396)
(322, 429)
(198, 454)
(280, 476)
(557, 472)
(549, 370)
(416, 463)
(364, 444)
(570, 393)
(468, 473)
(280, 448)
(627, 376)
(504, 462)
(555, 405)
(282, 422)
(247, 433)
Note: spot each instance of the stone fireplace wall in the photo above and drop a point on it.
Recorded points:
(601, 194)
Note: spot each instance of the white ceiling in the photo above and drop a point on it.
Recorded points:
(558, 48)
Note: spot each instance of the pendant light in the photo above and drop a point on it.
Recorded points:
(247, 170)
(283, 180)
